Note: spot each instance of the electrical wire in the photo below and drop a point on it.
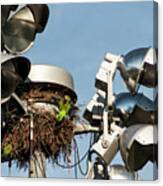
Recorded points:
(79, 159)
(75, 168)
(78, 156)
(73, 165)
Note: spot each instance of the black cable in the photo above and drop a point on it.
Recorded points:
(78, 155)
(75, 168)
(75, 164)
(79, 160)
(63, 166)
(60, 165)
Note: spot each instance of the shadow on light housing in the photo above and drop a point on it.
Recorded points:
(141, 64)
(13, 72)
(138, 145)
(133, 109)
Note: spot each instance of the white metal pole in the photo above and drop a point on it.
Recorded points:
(37, 165)
(37, 159)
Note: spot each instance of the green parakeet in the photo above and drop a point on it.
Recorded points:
(7, 150)
(64, 108)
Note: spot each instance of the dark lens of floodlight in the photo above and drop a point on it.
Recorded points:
(13, 72)
(141, 66)
(135, 109)
(18, 35)
(149, 75)
(94, 110)
(41, 15)
(138, 145)
(20, 30)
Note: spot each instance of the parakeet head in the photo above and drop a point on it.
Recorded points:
(67, 98)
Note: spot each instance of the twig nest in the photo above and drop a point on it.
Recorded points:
(52, 127)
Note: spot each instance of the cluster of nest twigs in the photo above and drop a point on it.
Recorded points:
(49, 136)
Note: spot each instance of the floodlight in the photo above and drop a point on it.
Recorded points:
(138, 67)
(138, 145)
(119, 172)
(141, 65)
(14, 70)
(95, 108)
(19, 31)
(107, 70)
(133, 109)
(101, 76)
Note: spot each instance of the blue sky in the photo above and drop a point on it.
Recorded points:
(77, 37)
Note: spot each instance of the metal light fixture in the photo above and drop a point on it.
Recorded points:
(14, 70)
(138, 142)
(19, 31)
(138, 67)
(94, 109)
(141, 66)
(101, 76)
(138, 145)
(133, 109)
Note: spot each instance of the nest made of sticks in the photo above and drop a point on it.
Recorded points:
(51, 137)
